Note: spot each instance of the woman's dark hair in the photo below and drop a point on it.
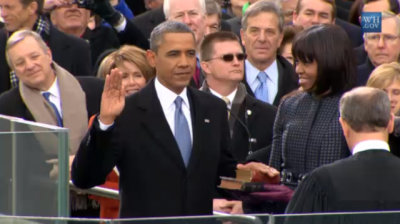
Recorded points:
(289, 32)
(330, 47)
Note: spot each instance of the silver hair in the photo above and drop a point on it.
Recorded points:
(264, 6)
(167, 4)
(19, 36)
(365, 109)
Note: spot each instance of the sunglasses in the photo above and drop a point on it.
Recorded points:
(230, 57)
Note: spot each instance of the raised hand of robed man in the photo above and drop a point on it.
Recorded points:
(113, 97)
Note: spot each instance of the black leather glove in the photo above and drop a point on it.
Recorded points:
(104, 9)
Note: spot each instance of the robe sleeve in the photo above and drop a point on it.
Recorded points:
(308, 197)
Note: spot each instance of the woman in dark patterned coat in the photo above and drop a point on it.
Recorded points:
(307, 133)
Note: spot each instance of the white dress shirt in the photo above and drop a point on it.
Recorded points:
(55, 97)
(370, 144)
(272, 80)
(167, 101)
(231, 96)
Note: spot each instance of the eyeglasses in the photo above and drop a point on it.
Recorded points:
(387, 38)
(230, 57)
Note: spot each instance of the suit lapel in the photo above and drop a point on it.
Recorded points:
(200, 122)
(155, 123)
(281, 86)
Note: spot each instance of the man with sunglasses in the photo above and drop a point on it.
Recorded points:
(383, 47)
(250, 120)
(268, 76)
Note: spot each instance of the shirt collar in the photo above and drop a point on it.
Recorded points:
(370, 144)
(231, 96)
(252, 72)
(53, 90)
(167, 97)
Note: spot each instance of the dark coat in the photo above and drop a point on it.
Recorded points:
(11, 102)
(366, 181)
(147, 21)
(251, 124)
(153, 178)
(364, 71)
(307, 134)
(353, 32)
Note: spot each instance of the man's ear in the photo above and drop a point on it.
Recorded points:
(151, 58)
(390, 126)
(205, 67)
(294, 17)
(242, 36)
(33, 7)
(345, 127)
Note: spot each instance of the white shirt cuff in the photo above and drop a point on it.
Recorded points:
(121, 27)
(104, 127)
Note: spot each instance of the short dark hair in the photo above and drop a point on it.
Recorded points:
(330, 47)
(365, 109)
(39, 2)
(207, 45)
(158, 32)
(212, 7)
(330, 2)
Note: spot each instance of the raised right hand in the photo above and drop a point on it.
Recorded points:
(113, 97)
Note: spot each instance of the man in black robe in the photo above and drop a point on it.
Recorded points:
(367, 181)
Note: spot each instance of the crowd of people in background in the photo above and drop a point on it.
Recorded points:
(162, 97)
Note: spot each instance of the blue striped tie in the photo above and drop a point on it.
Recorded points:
(261, 92)
(182, 133)
(57, 113)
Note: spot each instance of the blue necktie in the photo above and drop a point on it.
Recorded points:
(57, 113)
(261, 92)
(182, 133)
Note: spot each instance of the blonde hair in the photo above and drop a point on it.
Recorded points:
(384, 75)
(127, 53)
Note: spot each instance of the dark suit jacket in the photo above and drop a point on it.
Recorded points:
(148, 20)
(360, 54)
(366, 181)
(364, 71)
(100, 39)
(250, 119)
(69, 52)
(11, 102)
(153, 178)
(287, 80)
(260, 126)
(133, 36)
(236, 24)
(353, 31)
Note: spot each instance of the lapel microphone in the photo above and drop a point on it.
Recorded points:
(244, 124)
